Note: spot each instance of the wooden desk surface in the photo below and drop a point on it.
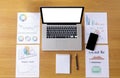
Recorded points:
(8, 28)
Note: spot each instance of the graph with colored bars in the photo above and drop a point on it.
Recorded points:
(92, 21)
(96, 23)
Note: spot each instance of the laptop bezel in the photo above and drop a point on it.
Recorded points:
(62, 22)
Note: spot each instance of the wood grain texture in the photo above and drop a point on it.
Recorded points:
(8, 28)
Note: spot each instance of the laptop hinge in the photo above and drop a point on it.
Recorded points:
(61, 24)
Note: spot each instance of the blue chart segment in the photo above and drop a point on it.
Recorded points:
(22, 17)
(91, 21)
(87, 20)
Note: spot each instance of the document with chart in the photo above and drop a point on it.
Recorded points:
(28, 28)
(96, 22)
(27, 61)
(97, 62)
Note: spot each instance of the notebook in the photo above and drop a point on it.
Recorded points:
(62, 63)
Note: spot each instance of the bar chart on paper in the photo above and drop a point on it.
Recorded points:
(96, 23)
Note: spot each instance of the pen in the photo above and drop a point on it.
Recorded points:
(76, 59)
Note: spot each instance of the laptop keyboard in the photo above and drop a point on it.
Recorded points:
(61, 32)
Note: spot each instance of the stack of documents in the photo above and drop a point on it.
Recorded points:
(97, 61)
(27, 54)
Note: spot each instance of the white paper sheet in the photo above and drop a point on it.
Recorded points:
(97, 62)
(96, 22)
(27, 61)
(62, 63)
(28, 28)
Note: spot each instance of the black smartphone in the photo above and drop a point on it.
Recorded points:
(92, 41)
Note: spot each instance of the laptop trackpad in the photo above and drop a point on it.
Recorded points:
(62, 44)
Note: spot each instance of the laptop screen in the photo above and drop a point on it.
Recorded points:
(61, 14)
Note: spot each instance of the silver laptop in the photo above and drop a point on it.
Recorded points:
(61, 28)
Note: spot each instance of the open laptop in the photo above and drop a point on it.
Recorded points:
(61, 28)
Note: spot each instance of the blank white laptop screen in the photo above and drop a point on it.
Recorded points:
(62, 15)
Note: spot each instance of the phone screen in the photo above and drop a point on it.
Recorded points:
(92, 41)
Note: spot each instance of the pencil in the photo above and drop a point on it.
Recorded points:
(76, 59)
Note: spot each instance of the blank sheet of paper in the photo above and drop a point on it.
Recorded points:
(62, 63)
